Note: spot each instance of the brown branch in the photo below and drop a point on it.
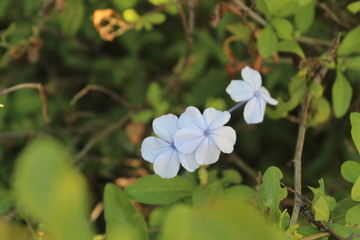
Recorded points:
(99, 88)
(307, 213)
(42, 94)
(299, 149)
(99, 136)
(295, 193)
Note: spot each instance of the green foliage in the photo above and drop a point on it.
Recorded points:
(122, 218)
(57, 190)
(353, 215)
(350, 170)
(351, 42)
(355, 129)
(341, 94)
(290, 46)
(156, 190)
(283, 28)
(73, 18)
(304, 16)
(322, 204)
(271, 193)
(267, 42)
(355, 191)
(354, 7)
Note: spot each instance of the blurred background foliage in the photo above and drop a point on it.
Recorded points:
(108, 68)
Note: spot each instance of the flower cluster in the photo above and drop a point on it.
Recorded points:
(191, 140)
(196, 139)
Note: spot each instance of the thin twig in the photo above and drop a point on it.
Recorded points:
(333, 16)
(307, 213)
(295, 193)
(42, 94)
(299, 149)
(257, 18)
(99, 88)
(99, 136)
(251, 13)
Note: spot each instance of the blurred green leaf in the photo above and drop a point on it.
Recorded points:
(156, 190)
(267, 42)
(350, 171)
(316, 89)
(130, 15)
(341, 95)
(73, 16)
(320, 111)
(304, 16)
(352, 216)
(355, 129)
(243, 192)
(321, 210)
(283, 28)
(202, 195)
(352, 64)
(46, 187)
(284, 220)
(7, 200)
(354, 7)
(143, 116)
(290, 46)
(240, 30)
(123, 221)
(344, 231)
(121, 4)
(271, 193)
(355, 191)
(351, 42)
(230, 176)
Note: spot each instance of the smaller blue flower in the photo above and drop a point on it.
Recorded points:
(249, 90)
(205, 134)
(161, 151)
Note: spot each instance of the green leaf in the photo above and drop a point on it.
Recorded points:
(243, 192)
(121, 4)
(230, 176)
(338, 214)
(352, 216)
(355, 130)
(320, 111)
(284, 220)
(292, 47)
(121, 217)
(7, 200)
(341, 95)
(267, 42)
(350, 170)
(156, 190)
(240, 30)
(354, 7)
(304, 17)
(352, 64)
(143, 116)
(321, 210)
(130, 15)
(73, 17)
(202, 195)
(351, 42)
(316, 89)
(283, 28)
(344, 231)
(355, 191)
(320, 193)
(155, 18)
(180, 218)
(47, 186)
(271, 193)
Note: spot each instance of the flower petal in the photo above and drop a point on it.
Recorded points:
(266, 95)
(192, 118)
(166, 126)
(240, 91)
(214, 118)
(188, 161)
(224, 138)
(186, 140)
(167, 164)
(252, 77)
(207, 153)
(152, 147)
(254, 110)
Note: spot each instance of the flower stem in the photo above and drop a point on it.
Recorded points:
(236, 107)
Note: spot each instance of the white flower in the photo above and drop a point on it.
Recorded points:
(205, 134)
(250, 90)
(162, 151)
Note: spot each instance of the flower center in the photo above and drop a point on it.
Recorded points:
(206, 132)
(257, 93)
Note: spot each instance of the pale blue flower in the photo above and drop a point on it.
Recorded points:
(161, 150)
(205, 135)
(250, 91)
